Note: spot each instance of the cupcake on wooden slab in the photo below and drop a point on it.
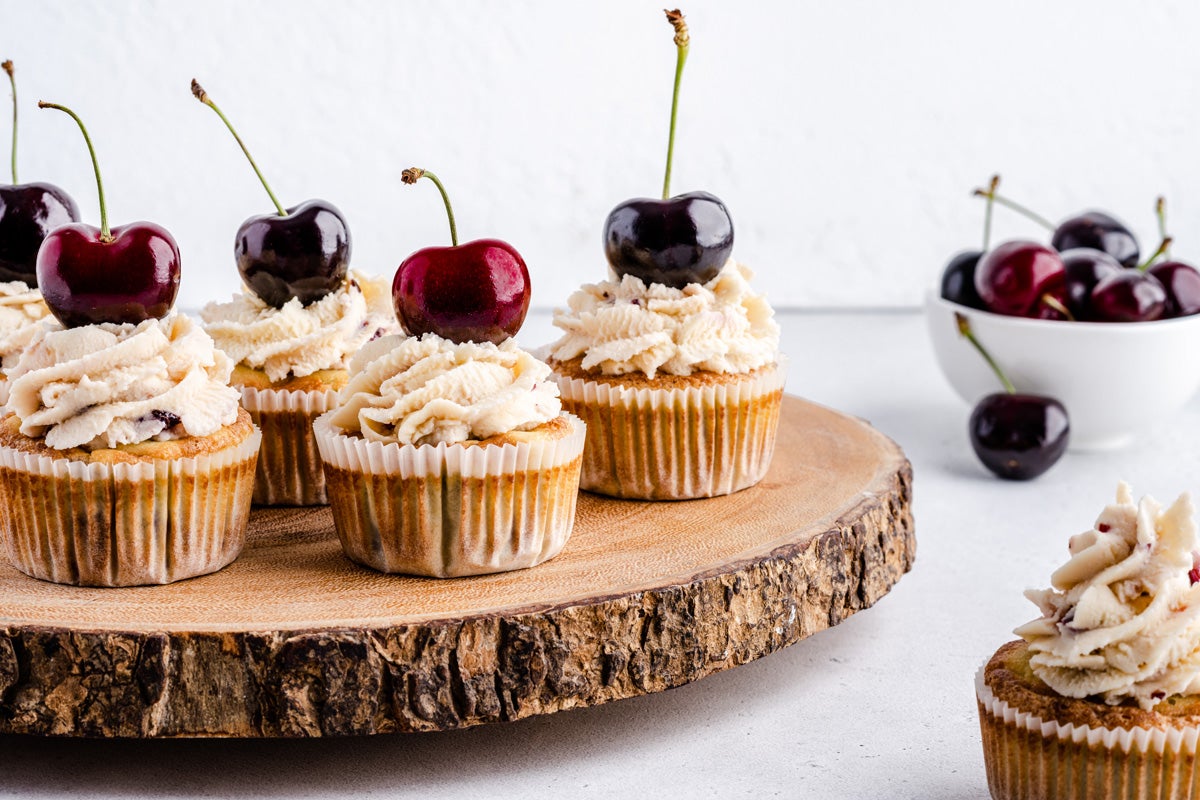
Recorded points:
(673, 362)
(1101, 696)
(125, 459)
(448, 453)
(292, 331)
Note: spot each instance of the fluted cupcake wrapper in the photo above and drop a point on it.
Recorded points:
(451, 510)
(679, 443)
(125, 524)
(1028, 757)
(289, 464)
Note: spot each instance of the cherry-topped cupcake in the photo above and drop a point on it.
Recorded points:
(673, 362)
(125, 459)
(291, 333)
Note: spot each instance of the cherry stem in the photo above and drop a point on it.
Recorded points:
(1053, 302)
(201, 95)
(1020, 209)
(682, 40)
(964, 330)
(414, 174)
(7, 66)
(1163, 246)
(105, 235)
(1160, 211)
(993, 185)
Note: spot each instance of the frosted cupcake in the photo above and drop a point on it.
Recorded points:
(21, 313)
(290, 363)
(1101, 697)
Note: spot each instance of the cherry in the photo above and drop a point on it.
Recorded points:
(1182, 284)
(1129, 296)
(1016, 436)
(125, 275)
(301, 252)
(1020, 278)
(1084, 268)
(958, 280)
(478, 291)
(676, 240)
(1099, 231)
(27, 213)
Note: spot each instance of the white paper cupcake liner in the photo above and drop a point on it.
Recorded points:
(451, 510)
(680, 443)
(289, 464)
(1029, 757)
(125, 524)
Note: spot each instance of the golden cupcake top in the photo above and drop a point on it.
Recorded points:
(1121, 620)
(624, 326)
(21, 311)
(430, 390)
(299, 340)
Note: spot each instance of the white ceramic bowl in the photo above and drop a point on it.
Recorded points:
(1115, 379)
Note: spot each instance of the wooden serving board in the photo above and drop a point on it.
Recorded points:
(293, 639)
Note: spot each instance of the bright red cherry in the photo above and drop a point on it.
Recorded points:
(1017, 277)
(477, 292)
(124, 275)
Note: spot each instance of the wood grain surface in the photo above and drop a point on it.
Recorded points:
(293, 639)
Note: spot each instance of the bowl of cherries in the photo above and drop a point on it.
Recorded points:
(1087, 320)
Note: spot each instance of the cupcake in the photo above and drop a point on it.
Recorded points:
(21, 313)
(1101, 695)
(290, 362)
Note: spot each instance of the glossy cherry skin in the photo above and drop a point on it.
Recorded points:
(29, 211)
(958, 280)
(1013, 277)
(1182, 284)
(1099, 231)
(1129, 296)
(305, 254)
(1085, 268)
(1019, 436)
(473, 292)
(132, 278)
(686, 239)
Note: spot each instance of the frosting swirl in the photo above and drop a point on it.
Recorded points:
(430, 390)
(105, 385)
(299, 340)
(21, 313)
(1122, 620)
(624, 326)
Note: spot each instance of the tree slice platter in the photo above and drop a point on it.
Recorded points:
(293, 639)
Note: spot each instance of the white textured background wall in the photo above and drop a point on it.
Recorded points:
(843, 136)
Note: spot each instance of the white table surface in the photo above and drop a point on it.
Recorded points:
(881, 706)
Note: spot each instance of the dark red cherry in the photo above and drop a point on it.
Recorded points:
(28, 212)
(305, 254)
(1182, 284)
(1014, 277)
(686, 239)
(1019, 436)
(1084, 268)
(958, 280)
(1129, 296)
(1099, 231)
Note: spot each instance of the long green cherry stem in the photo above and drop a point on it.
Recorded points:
(414, 174)
(201, 95)
(1020, 209)
(7, 66)
(1163, 247)
(964, 330)
(682, 40)
(105, 234)
(990, 206)
(1160, 211)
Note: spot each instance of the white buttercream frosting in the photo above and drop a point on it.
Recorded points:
(106, 385)
(21, 313)
(623, 326)
(1122, 619)
(430, 390)
(299, 340)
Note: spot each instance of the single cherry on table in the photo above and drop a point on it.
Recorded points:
(302, 251)
(28, 212)
(473, 292)
(676, 240)
(121, 275)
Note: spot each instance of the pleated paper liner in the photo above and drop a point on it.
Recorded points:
(678, 443)
(125, 524)
(289, 464)
(451, 510)
(1028, 757)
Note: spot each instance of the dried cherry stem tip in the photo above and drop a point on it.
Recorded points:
(414, 174)
(1160, 211)
(7, 66)
(105, 234)
(682, 41)
(201, 95)
(964, 330)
